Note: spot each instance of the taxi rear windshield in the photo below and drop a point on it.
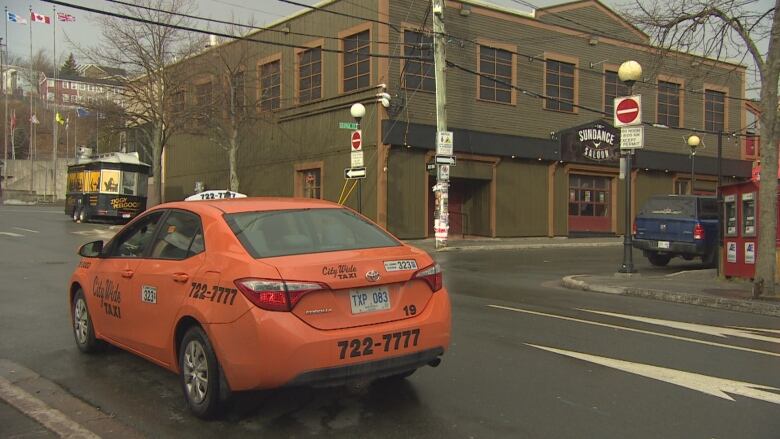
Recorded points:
(292, 232)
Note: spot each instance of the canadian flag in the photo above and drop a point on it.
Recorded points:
(38, 18)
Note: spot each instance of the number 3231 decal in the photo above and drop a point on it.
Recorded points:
(390, 342)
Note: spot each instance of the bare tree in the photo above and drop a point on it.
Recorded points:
(722, 29)
(148, 51)
(230, 110)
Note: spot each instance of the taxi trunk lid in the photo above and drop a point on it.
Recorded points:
(366, 286)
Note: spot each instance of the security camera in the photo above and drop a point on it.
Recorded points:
(552, 135)
(384, 99)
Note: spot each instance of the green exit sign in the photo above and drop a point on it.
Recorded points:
(348, 125)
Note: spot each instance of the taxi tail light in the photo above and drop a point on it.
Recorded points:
(698, 231)
(431, 274)
(276, 295)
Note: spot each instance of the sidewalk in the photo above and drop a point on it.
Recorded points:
(696, 287)
(481, 243)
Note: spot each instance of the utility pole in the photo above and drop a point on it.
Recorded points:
(441, 189)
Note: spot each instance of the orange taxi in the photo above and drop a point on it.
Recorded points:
(258, 293)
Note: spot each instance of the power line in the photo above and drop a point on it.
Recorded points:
(208, 32)
(230, 23)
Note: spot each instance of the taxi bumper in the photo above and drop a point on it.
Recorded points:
(264, 350)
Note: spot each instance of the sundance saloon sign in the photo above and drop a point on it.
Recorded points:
(594, 142)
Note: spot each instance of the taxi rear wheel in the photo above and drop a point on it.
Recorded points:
(83, 330)
(199, 373)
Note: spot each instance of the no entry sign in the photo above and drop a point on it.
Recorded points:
(357, 140)
(628, 111)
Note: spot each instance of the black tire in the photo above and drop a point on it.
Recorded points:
(83, 217)
(75, 214)
(710, 260)
(83, 331)
(658, 259)
(198, 363)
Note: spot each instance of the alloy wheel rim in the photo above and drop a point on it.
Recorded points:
(196, 374)
(81, 321)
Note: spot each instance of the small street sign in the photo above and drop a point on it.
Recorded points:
(444, 172)
(628, 111)
(356, 159)
(632, 137)
(444, 143)
(430, 167)
(357, 140)
(445, 160)
(354, 173)
(348, 125)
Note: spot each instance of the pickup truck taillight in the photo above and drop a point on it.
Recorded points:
(698, 231)
(633, 229)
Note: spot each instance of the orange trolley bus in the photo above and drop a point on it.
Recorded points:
(109, 186)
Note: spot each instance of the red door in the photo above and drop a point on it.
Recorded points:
(590, 204)
(456, 191)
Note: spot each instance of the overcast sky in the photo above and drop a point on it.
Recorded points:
(84, 31)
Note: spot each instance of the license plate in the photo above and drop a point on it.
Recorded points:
(369, 299)
(663, 244)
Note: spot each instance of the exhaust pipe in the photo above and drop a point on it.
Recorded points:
(435, 362)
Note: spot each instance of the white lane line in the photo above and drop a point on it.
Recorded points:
(693, 327)
(15, 235)
(639, 331)
(50, 418)
(771, 331)
(714, 386)
(25, 230)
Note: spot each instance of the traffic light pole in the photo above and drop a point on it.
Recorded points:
(441, 212)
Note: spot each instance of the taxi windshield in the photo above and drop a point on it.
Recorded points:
(291, 232)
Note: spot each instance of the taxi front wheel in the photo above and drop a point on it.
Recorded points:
(82, 325)
(199, 373)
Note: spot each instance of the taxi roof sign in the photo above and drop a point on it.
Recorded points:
(214, 195)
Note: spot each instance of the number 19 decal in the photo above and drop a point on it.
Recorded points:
(410, 310)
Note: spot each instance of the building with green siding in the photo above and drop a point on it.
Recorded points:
(526, 166)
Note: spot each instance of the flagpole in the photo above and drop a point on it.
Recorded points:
(54, 117)
(4, 56)
(32, 88)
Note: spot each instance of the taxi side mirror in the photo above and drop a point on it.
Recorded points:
(91, 249)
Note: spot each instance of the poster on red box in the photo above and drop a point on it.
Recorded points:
(750, 252)
(731, 252)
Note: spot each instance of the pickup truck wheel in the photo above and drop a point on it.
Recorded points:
(659, 260)
(710, 259)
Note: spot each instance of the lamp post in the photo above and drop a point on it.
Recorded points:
(693, 143)
(357, 111)
(629, 72)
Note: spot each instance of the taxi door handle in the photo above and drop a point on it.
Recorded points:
(180, 277)
(128, 273)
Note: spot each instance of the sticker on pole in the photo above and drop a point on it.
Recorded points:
(444, 143)
(628, 111)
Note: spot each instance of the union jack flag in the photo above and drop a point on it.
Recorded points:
(62, 16)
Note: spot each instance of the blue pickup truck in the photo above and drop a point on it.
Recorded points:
(678, 225)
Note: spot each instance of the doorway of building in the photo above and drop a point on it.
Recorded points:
(590, 204)
(469, 207)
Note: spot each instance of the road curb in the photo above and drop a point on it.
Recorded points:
(575, 282)
(524, 246)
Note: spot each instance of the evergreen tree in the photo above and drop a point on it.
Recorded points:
(69, 68)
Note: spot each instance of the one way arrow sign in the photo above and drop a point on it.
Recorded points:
(354, 173)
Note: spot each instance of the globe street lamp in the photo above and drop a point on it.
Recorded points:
(693, 143)
(357, 111)
(629, 72)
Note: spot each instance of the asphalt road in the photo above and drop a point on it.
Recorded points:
(528, 359)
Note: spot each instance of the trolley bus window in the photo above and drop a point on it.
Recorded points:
(109, 181)
(143, 184)
(129, 183)
(76, 181)
(92, 181)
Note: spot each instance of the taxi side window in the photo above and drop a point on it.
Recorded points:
(132, 243)
(180, 237)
